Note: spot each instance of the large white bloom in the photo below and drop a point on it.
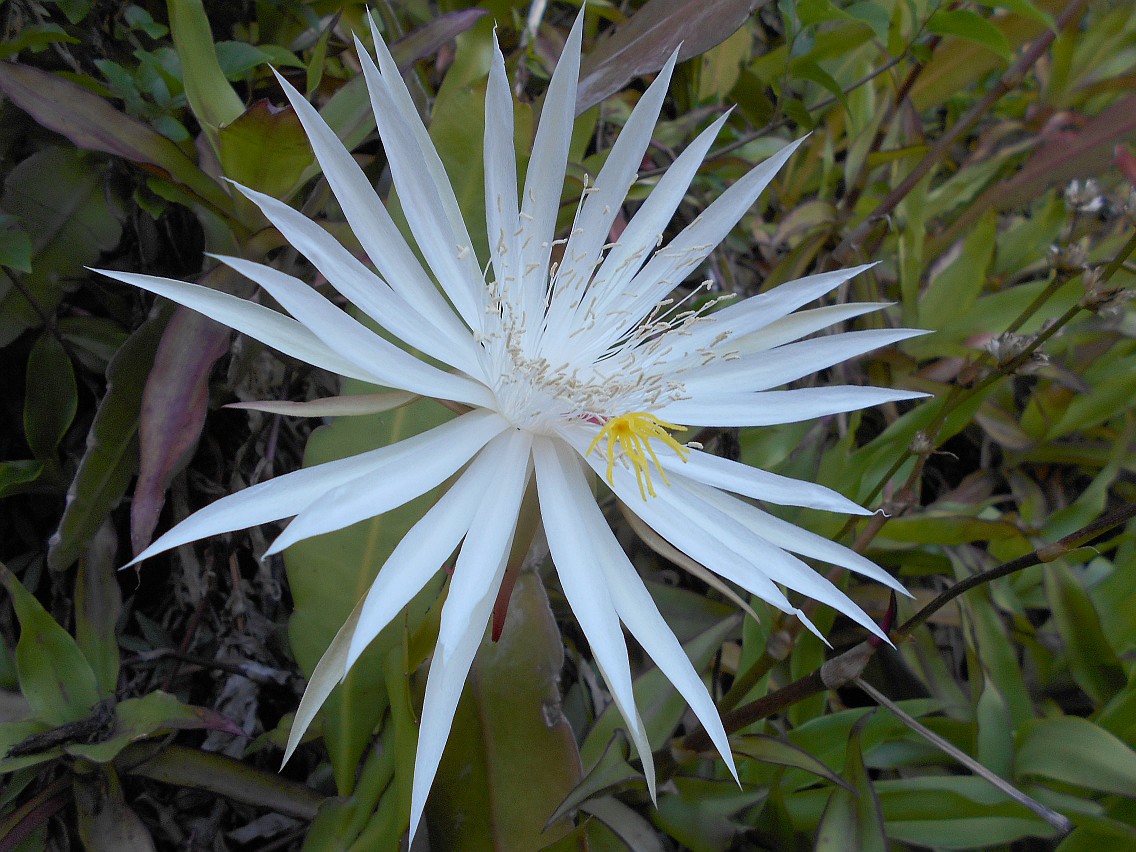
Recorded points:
(565, 366)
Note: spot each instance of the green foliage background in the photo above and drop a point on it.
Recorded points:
(982, 152)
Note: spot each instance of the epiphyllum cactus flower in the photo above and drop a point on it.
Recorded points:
(563, 366)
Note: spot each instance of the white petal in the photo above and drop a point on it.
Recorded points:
(385, 361)
(469, 602)
(759, 484)
(671, 264)
(451, 344)
(793, 538)
(602, 204)
(293, 492)
(331, 406)
(800, 324)
(637, 609)
(729, 518)
(425, 192)
(569, 511)
(413, 467)
(500, 169)
(544, 181)
(775, 367)
(369, 220)
(768, 408)
(258, 322)
(637, 241)
(423, 549)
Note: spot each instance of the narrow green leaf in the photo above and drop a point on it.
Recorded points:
(853, 819)
(212, 99)
(112, 448)
(1073, 750)
(16, 475)
(55, 677)
(972, 27)
(52, 398)
(98, 603)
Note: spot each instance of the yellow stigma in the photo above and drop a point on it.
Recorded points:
(631, 433)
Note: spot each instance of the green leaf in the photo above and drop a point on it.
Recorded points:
(265, 149)
(15, 247)
(98, 603)
(16, 475)
(1073, 750)
(775, 750)
(105, 820)
(138, 718)
(55, 677)
(212, 99)
(112, 447)
(853, 819)
(511, 756)
(972, 27)
(1092, 660)
(52, 398)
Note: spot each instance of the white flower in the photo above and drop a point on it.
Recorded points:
(564, 366)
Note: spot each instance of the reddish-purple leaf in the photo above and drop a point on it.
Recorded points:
(647, 40)
(93, 124)
(173, 405)
(426, 40)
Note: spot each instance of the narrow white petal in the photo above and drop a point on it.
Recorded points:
(757, 483)
(638, 611)
(339, 331)
(776, 367)
(569, 512)
(501, 206)
(800, 324)
(293, 492)
(637, 241)
(451, 344)
(413, 467)
(258, 322)
(368, 217)
(424, 152)
(544, 181)
(421, 552)
(331, 406)
(469, 602)
(688, 533)
(793, 538)
(768, 408)
(425, 193)
(671, 264)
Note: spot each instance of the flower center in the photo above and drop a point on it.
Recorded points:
(630, 434)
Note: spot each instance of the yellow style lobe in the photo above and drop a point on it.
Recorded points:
(630, 434)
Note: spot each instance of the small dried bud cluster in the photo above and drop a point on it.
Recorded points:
(1104, 300)
(1068, 257)
(1007, 347)
(1084, 196)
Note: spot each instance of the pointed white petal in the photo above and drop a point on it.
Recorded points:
(637, 609)
(768, 408)
(331, 406)
(423, 150)
(425, 193)
(385, 361)
(258, 322)
(452, 345)
(757, 483)
(368, 217)
(473, 589)
(569, 512)
(689, 534)
(422, 550)
(793, 538)
(500, 169)
(776, 367)
(600, 207)
(412, 467)
(671, 264)
(637, 241)
(544, 181)
(800, 324)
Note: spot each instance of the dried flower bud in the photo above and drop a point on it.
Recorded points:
(1084, 196)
